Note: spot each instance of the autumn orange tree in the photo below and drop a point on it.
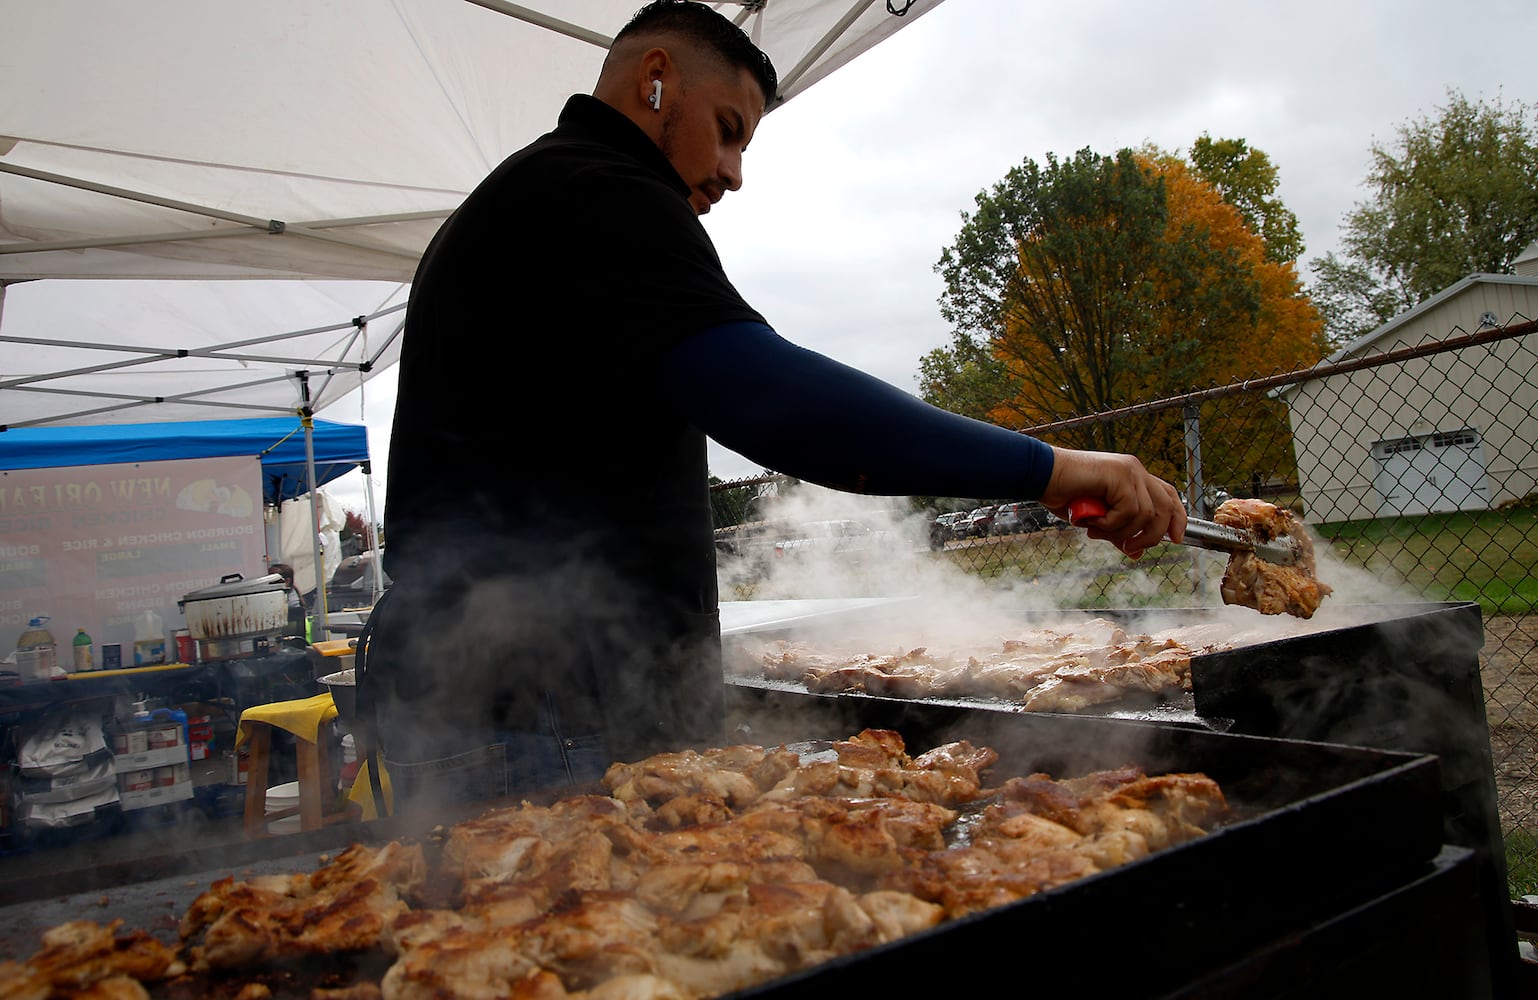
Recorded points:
(1097, 282)
(357, 528)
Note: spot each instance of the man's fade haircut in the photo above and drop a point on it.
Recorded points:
(701, 24)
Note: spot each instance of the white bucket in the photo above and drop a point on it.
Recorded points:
(285, 796)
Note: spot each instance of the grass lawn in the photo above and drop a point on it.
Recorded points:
(1486, 556)
(1521, 863)
(1490, 557)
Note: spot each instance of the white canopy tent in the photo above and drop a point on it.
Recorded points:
(303, 139)
(285, 140)
(78, 351)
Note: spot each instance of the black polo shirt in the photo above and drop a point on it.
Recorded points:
(532, 446)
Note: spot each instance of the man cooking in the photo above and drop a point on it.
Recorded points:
(574, 305)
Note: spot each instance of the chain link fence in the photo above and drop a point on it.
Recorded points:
(1414, 463)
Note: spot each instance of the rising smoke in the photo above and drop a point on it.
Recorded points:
(921, 598)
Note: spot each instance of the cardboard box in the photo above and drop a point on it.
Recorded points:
(136, 781)
(158, 795)
(158, 757)
(162, 736)
(130, 741)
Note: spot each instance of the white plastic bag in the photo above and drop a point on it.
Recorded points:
(61, 744)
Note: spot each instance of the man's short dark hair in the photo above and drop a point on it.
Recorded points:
(704, 25)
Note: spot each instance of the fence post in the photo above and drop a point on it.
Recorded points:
(1196, 501)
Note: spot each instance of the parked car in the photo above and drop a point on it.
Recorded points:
(1022, 515)
(946, 528)
(748, 545)
(840, 537)
(979, 522)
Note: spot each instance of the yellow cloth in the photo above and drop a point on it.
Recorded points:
(303, 717)
(362, 791)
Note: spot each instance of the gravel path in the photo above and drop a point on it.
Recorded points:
(1509, 668)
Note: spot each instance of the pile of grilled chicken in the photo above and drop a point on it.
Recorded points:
(1270, 588)
(700, 873)
(1064, 669)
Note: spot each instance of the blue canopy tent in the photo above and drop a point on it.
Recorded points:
(278, 441)
(291, 459)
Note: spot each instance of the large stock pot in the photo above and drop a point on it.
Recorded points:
(236, 607)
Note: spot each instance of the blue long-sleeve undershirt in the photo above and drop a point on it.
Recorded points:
(804, 414)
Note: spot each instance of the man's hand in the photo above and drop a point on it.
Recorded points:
(1141, 508)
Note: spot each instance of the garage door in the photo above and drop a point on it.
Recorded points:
(1430, 473)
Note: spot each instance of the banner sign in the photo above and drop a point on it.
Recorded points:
(113, 548)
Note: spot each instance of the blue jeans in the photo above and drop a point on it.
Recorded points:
(511, 762)
(537, 761)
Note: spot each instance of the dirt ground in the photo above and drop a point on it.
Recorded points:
(1509, 673)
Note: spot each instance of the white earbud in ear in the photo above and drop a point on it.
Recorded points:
(656, 99)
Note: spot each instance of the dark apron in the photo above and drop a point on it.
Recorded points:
(440, 674)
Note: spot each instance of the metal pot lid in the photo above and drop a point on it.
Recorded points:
(235, 585)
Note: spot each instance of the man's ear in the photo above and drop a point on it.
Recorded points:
(656, 67)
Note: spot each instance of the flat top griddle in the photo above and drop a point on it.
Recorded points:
(1174, 711)
(155, 905)
(747, 616)
(1261, 776)
(1341, 644)
(1323, 828)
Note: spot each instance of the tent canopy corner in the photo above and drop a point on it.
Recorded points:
(278, 441)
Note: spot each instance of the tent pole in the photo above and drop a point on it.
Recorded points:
(373, 532)
(307, 418)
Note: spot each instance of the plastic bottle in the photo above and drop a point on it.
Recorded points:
(350, 767)
(149, 639)
(82, 644)
(37, 645)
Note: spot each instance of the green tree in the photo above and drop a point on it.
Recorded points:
(964, 378)
(1048, 277)
(1455, 194)
(1100, 281)
(1246, 179)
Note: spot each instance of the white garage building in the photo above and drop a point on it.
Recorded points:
(1451, 431)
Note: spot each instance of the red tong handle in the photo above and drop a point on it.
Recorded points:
(1080, 508)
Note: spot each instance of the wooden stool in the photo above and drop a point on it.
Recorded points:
(304, 718)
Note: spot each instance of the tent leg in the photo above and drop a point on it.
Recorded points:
(373, 533)
(308, 419)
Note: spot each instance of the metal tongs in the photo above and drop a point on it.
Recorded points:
(1284, 550)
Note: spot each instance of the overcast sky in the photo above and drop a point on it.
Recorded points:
(854, 187)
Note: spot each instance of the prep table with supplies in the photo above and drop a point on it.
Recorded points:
(244, 682)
